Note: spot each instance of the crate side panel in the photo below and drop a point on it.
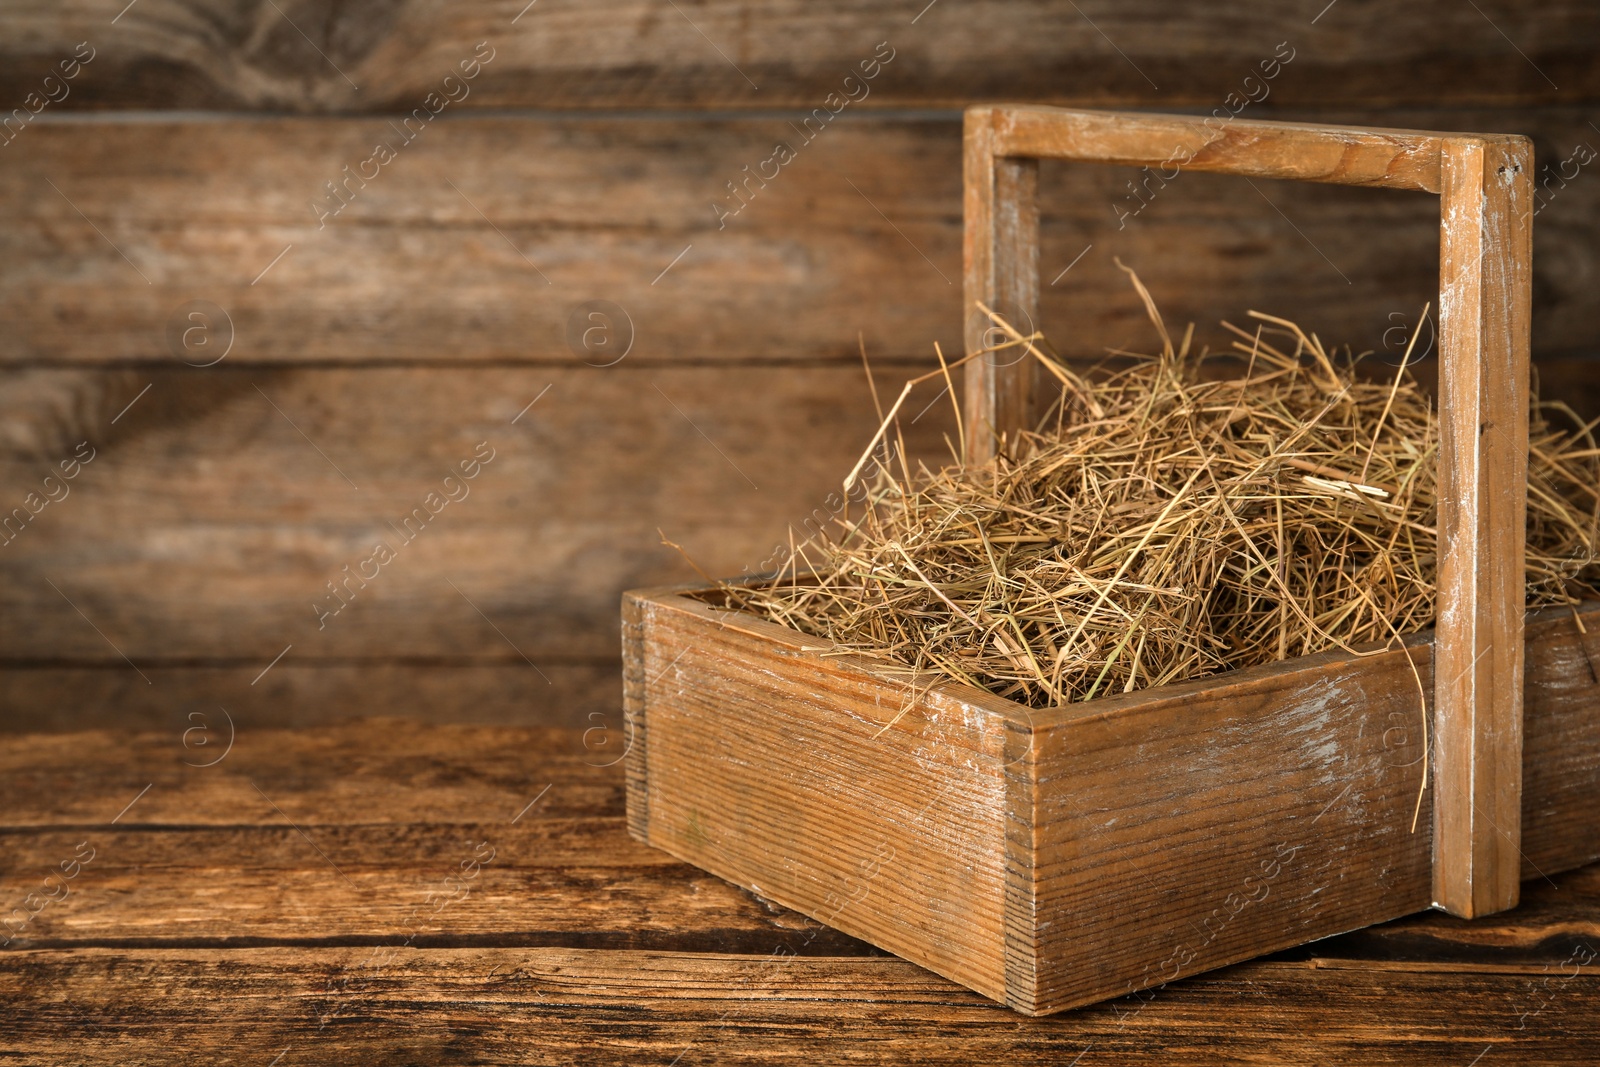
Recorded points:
(771, 767)
(1561, 745)
(1183, 834)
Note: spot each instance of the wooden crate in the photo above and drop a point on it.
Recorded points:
(1054, 858)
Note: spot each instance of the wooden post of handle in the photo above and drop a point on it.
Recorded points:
(1485, 292)
(1485, 187)
(1000, 253)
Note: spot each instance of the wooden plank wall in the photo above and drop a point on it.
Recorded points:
(184, 166)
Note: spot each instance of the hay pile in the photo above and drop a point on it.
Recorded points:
(1159, 526)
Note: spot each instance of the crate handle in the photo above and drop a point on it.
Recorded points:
(1484, 182)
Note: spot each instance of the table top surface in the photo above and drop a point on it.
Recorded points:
(390, 891)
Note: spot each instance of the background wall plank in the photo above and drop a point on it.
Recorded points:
(83, 693)
(217, 510)
(301, 55)
(480, 239)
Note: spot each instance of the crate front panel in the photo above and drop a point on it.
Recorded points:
(770, 766)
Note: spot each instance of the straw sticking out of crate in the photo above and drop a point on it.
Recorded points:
(1159, 526)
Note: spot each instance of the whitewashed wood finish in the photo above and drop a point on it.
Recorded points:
(1485, 297)
(1341, 155)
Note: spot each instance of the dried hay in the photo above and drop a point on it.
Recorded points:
(1158, 526)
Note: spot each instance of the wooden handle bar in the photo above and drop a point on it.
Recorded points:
(1484, 182)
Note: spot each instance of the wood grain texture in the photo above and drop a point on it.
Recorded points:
(1485, 184)
(1560, 777)
(794, 783)
(411, 272)
(563, 1006)
(478, 241)
(635, 761)
(380, 772)
(89, 694)
(543, 882)
(261, 523)
(1367, 156)
(158, 961)
(1175, 832)
(1338, 850)
(1370, 768)
(301, 56)
(1142, 837)
(1555, 925)
(214, 515)
(1486, 248)
(360, 833)
(1000, 271)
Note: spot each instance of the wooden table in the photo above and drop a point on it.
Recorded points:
(389, 891)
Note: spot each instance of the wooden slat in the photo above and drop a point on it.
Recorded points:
(636, 755)
(411, 272)
(786, 53)
(481, 239)
(1391, 159)
(576, 882)
(392, 771)
(515, 1006)
(1281, 813)
(1000, 253)
(104, 694)
(1560, 775)
(1484, 295)
(213, 516)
